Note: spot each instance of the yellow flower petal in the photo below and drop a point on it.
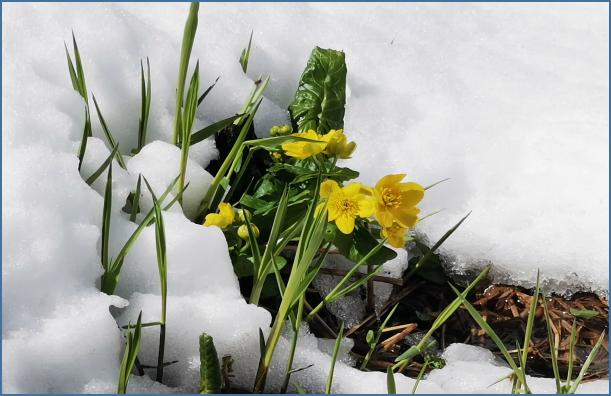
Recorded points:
(383, 216)
(226, 210)
(405, 218)
(411, 194)
(352, 189)
(367, 190)
(367, 207)
(389, 181)
(319, 209)
(326, 187)
(215, 219)
(345, 224)
(396, 242)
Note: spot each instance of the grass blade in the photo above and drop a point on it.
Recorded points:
(210, 130)
(201, 98)
(531, 320)
(86, 133)
(338, 342)
(374, 344)
(145, 104)
(246, 55)
(102, 168)
(106, 211)
(185, 55)
(484, 325)
(160, 243)
(189, 114)
(73, 76)
(136, 200)
(390, 381)
(130, 355)
(111, 140)
(79, 70)
(586, 364)
(428, 254)
(300, 390)
(552, 346)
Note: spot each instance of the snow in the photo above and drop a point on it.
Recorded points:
(508, 100)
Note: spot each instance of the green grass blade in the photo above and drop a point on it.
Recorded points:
(374, 344)
(86, 133)
(185, 55)
(531, 320)
(177, 197)
(136, 200)
(201, 98)
(106, 211)
(417, 379)
(210, 130)
(73, 76)
(428, 254)
(434, 184)
(254, 246)
(111, 140)
(338, 342)
(246, 55)
(145, 104)
(209, 370)
(102, 167)
(188, 119)
(569, 375)
(160, 244)
(301, 289)
(275, 231)
(552, 346)
(79, 71)
(130, 356)
(390, 381)
(300, 390)
(586, 364)
(484, 325)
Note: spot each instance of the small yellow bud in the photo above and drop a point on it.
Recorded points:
(243, 231)
(241, 213)
(277, 156)
(275, 131)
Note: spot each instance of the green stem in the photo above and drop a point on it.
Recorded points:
(289, 364)
(159, 377)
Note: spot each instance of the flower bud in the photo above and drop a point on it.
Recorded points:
(243, 231)
(285, 130)
(275, 131)
(241, 213)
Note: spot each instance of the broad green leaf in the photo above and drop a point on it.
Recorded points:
(209, 368)
(321, 96)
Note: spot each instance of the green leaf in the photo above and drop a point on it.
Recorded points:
(136, 200)
(102, 168)
(390, 381)
(106, 211)
(245, 55)
(201, 98)
(338, 342)
(73, 76)
(357, 245)
(586, 364)
(210, 130)
(185, 54)
(86, 134)
(79, 70)
(209, 369)
(583, 313)
(111, 140)
(300, 390)
(279, 141)
(130, 355)
(370, 337)
(145, 104)
(552, 346)
(321, 96)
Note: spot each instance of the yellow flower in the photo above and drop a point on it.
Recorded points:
(344, 204)
(394, 235)
(338, 145)
(243, 231)
(397, 201)
(303, 150)
(223, 219)
(241, 213)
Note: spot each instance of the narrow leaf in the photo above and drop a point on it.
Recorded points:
(102, 167)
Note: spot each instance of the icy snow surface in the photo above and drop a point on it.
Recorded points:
(508, 100)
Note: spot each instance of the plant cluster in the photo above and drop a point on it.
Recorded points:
(303, 203)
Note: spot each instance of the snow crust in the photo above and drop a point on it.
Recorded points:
(509, 100)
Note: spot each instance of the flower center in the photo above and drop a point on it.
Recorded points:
(346, 206)
(389, 198)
